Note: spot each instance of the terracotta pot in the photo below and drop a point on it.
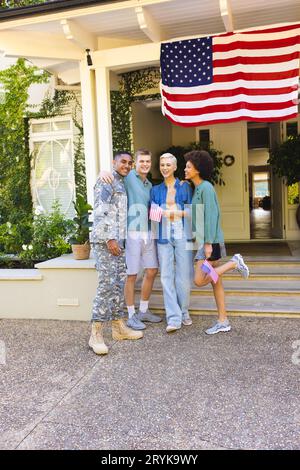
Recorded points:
(81, 251)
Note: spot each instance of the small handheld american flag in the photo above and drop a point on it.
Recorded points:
(155, 213)
(208, 269)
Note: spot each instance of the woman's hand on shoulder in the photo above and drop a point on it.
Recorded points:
(106, 177)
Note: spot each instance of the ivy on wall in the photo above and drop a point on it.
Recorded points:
(15, 196)
(20, 3)
(133, 86)
(15, 158)
(121, 122)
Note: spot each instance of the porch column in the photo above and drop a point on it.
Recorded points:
(87, 77)
(104, 118)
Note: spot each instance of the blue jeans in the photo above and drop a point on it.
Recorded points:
(176, 271)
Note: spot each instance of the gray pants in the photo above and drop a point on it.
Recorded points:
(109, 302)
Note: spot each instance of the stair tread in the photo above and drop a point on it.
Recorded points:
(274, 269)
(271, 259)
(243, 285)
(240, 303)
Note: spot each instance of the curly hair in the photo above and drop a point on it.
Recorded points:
(202, 161)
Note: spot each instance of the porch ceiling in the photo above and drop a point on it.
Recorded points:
(64, 35)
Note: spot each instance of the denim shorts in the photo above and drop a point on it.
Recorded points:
(218, 252)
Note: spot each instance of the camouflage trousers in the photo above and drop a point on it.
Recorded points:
(109, 303)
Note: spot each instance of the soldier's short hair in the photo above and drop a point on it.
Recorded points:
(120, 153)
(142, 152)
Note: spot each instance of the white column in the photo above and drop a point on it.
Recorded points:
(104, 118)
(89, 120)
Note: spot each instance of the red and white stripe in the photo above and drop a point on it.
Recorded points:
(155, 213)
(255, 78)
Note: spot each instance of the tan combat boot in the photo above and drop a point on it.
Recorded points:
(121, 331)
(96, 341)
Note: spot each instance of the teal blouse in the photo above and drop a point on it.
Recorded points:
(206, 214)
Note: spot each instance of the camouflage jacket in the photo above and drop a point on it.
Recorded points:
(110, 211)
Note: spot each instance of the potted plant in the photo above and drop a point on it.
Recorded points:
(80, 240)
(285, 160)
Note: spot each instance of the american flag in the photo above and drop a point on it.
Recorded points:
(155, 212)
(250, 76)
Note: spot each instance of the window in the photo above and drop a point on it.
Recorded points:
(261, 185)
(291, 129)
(258, 137)
(204, 137)
(51, 142)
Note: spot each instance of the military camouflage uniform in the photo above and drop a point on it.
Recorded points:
(110, 221)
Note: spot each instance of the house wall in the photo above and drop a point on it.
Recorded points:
(60, 289)
(183, 135)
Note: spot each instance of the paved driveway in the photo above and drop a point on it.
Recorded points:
(238, 390)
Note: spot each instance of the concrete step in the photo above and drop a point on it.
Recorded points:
(263, 260)
(288, 307)
(260, 271)
(272, 269)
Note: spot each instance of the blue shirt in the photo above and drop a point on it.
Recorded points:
(138, 196)
(183, 197)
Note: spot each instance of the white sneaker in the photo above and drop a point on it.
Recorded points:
(218, 327)
(187, 321)
(172, 328)
(241, 266)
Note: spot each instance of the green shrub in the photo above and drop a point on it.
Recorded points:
(50, 234)
(13, 236)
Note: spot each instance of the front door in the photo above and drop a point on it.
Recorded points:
(231, 139)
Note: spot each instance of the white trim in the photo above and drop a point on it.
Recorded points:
(148, 24)
(89, 121)
(226, 14)
(104, 118)
(77, 13)
(77, 35)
